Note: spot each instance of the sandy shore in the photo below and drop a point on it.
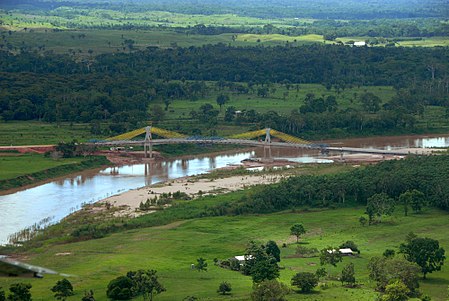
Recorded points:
(192, 186)
(129, 201)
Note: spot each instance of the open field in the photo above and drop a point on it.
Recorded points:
(280, 99)
(420, 42)
(15, 166)
(70, 17)
(35, 132)
(94, 263)
(86, 43)
(89, 42)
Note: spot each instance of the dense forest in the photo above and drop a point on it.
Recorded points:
(120, 87)
(323, 9)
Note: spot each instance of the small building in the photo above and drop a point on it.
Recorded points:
(346, 251)
(343, 252)
(360, 44)
(242, 258)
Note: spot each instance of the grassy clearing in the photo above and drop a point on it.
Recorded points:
(93, 263)
(277, 101)
(278, 39)
(88, 43)
(34, 132)
(420, 42)
(71, 17)
(15, 166)
(31, 169)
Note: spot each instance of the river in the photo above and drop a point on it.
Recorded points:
(56, 199)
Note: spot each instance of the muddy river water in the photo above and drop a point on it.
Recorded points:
(56, 199)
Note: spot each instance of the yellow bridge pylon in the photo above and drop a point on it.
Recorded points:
(154, 130)
(282, 136)
(268, 133)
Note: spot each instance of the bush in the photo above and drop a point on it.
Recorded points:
(306, 281)
(269, 290)
(224, 288)
(62, 289)
(120, 288)
(389, 253)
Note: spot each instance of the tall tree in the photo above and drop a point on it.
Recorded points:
(272, 249)
(413, 198)
(425, 252)
(378, 205)
(384, 270)
(146, 283)
(62, 289)
(348, 275)
(297, 230)
(222, 99)
(260, 265)
(19, 292)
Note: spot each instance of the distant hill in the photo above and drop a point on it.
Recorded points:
(318, 9)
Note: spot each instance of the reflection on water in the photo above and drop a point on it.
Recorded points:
(61, 197)
(393, 142)
(432, 142)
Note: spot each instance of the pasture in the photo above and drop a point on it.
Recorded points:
(36, 132)
(172, 248)
(12, 166)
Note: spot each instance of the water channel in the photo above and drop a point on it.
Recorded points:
(56, 199)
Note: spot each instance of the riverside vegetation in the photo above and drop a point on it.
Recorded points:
(90, 69)
(328, 221)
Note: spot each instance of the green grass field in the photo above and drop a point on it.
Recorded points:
(79, 42)
(276, 100)
(171, 249)
(87, 43)
(424, 42)
(35, 132)
(15, 166)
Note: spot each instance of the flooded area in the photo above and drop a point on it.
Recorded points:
(56, 199)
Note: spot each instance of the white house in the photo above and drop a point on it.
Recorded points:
(360, 44)
(242, 258)
(344, 252)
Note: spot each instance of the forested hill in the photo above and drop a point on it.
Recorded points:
(329, 65)
(319, 9)
(121, 86)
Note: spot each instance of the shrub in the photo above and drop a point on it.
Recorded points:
(269, 290)
(120, 288)
(224, 288)
(306, 281)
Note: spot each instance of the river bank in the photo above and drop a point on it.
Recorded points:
(58, 198)
(25, 181)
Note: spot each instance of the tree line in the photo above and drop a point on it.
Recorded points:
(120, 87)
(426, 174)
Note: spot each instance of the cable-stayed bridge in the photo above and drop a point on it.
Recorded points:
(254, 138)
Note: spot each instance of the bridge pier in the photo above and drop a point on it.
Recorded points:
(267, 156)
(148, 145)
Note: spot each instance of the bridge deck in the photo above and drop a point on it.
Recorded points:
(246, 142)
